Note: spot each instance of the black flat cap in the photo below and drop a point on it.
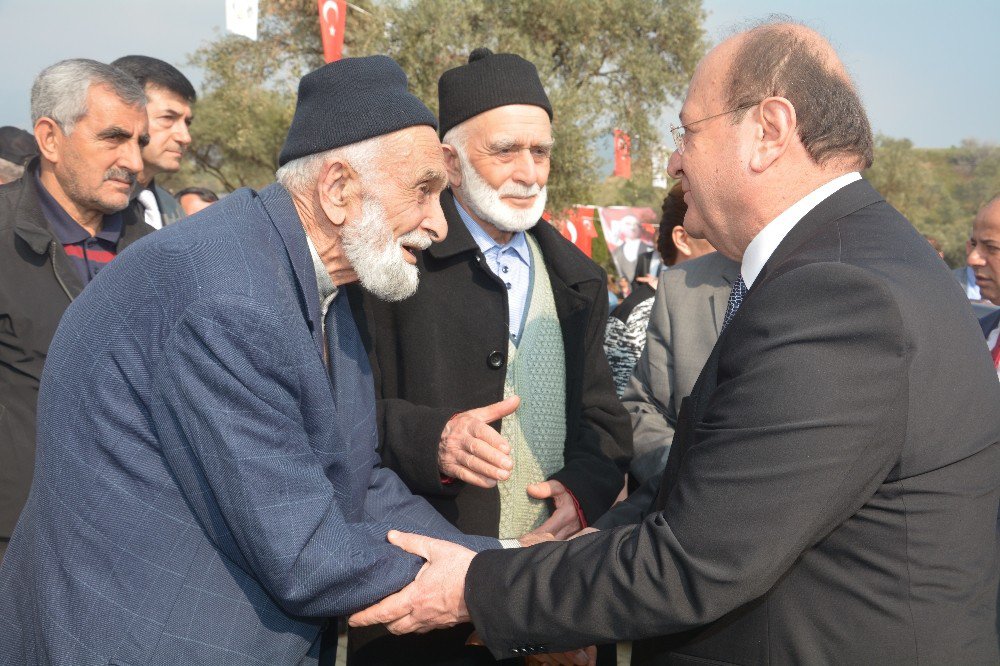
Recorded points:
(16, 145)
(489, 80)
(348, 101)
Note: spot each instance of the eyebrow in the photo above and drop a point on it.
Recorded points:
(509, 144)
(433, 177)
(114, 133)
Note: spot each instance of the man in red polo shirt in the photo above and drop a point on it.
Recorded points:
(64, 220)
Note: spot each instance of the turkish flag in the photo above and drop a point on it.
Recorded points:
(332, 16)
(623, 154)
(578, 227)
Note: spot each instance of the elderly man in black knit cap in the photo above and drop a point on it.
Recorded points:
(495, 401)
(208, 489)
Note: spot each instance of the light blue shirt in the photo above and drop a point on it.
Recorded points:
(511, 263)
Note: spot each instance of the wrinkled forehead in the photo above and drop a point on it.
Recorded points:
(987, 222)
(524, 124)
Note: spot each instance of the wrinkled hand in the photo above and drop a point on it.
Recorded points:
(471, 451)
(564, 521)
(435, 598)
(584, 657)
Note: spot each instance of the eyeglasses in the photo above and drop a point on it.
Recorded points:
(676, 131)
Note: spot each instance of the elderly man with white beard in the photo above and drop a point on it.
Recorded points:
(207, 488)
(495, 401)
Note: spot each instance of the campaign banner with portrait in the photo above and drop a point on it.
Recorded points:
(628, 232)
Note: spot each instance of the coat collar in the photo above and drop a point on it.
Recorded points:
(279, 207)
(562, 258)
(29, 221)
(845, 201)
(989, 322)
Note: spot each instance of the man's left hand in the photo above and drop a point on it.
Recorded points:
(435, 598)
(565, 520)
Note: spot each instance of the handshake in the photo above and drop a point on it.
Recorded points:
(436, 597)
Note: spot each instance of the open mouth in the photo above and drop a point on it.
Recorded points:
(410, 253)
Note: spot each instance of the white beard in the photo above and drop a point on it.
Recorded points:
(485, 202)
(377, 258)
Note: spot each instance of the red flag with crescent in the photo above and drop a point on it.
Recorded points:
(623, 154)
(332, 16)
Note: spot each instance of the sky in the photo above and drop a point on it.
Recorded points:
(927, 71)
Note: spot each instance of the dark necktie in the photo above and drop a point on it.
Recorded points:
(735, 300)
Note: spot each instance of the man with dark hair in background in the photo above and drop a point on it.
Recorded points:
(831, 491)
(60, 225)
(194, 199)
(169, 96)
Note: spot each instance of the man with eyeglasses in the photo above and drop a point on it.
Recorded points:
(829, 495)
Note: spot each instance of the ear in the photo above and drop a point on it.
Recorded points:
(338, 187)
(451, 164)
(49, 137)
(776, 129)
(681, 240)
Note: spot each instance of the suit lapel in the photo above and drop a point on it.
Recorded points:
(279, 207)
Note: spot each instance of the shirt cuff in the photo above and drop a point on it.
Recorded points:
(510, 543)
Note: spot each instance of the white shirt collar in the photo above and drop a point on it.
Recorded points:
(767, 240)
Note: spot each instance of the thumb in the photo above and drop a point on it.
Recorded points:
(497, 410)
(416, 544)
(544, 489)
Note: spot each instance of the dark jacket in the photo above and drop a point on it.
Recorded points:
(831, 491)
(37, 283)
(444, 351)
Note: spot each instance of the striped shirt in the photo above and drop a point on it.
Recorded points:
(511, 263)
(89, 254)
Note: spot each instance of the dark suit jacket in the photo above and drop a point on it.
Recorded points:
(989, 322)
(431, 356)
(205, 492)
(37, 283)
(831, 492)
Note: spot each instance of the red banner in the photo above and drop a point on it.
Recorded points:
(332, 16)
(577, 226)
(623, 154)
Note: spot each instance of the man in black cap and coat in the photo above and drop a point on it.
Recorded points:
(495, 400)
(207, 488)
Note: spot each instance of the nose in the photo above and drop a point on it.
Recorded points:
(183, 134)
(434, 223)
(674, 167)
(130, 156)
(525, 169)
(973, 257)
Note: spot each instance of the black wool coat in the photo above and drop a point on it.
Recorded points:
(444, 351)
(37, 284)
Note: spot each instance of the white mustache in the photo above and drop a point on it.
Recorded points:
(416, 238)
(518, 191)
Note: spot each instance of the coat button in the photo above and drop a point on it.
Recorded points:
(495, 359)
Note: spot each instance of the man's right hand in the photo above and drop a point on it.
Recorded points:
(471, 451)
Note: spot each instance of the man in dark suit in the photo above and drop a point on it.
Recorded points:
(831, 491)
(507, 308)
(170, 96)
(208, 489)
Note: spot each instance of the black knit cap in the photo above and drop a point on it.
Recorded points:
(488, 81)
(350, 100)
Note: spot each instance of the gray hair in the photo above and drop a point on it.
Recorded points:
(299, 176)
(60, 90)
(457, 136)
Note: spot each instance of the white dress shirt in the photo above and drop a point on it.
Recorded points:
(152, 208)
(766, 242)
(991, 342)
